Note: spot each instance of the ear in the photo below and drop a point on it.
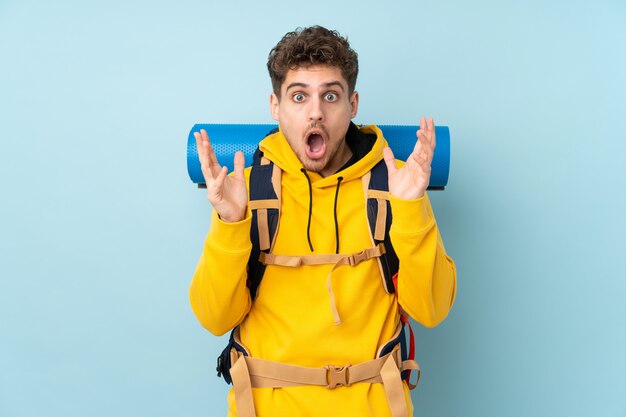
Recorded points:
(274, 106)
(354, 104)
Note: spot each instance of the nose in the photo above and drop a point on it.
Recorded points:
(316, 112)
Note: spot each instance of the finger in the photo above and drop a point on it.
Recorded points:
(424, 140)
(200, 148)
(205, 135)
(206, 138)
(418, 158)
(423, 160)
(206, 146)
(390, 160)
(204, 158)
(207, 143)
(212, 162)
(218, 184)
(426, 150)
(429, 129)
(427, 126)
(239, 163)
(420, 153)
(433, 136)
(421, 141)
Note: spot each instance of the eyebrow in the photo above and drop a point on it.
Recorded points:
(326, 85)
(334, 83)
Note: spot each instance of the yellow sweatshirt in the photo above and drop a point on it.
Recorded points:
(291, 320)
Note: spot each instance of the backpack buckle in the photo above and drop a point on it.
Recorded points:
(337, 376)
(357, 258)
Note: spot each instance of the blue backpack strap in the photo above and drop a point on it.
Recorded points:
(379, 218)
(224, 361)
(264, 202)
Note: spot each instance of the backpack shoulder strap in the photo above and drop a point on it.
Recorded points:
(376, 189)
(264, 203)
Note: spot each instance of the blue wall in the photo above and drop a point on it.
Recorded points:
(101, 228)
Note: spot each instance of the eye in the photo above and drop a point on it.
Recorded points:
(330, 97)
(298, 97)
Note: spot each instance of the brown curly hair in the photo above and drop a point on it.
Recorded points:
(312, 46)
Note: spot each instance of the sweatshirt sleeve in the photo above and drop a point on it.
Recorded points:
(427, 276)
(219, 296)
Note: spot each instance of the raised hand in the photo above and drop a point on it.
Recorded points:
(227, 194)
(411, 181)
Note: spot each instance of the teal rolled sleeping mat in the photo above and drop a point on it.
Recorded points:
(227, 139)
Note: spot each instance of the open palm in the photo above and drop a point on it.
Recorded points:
(411, 181)
(227, 194)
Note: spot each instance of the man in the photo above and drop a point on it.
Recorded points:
(323, 308)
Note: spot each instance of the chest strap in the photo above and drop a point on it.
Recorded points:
(335, 259)
(248, 372)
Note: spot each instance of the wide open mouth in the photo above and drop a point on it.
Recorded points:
(315, 143)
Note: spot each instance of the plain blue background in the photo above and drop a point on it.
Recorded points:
(100, 228)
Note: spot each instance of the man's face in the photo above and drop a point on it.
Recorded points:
(314, 114)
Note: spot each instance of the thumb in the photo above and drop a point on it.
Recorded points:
(390, 160)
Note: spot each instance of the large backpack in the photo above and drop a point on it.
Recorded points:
(265, 203)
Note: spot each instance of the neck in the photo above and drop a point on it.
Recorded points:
(343, 155)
